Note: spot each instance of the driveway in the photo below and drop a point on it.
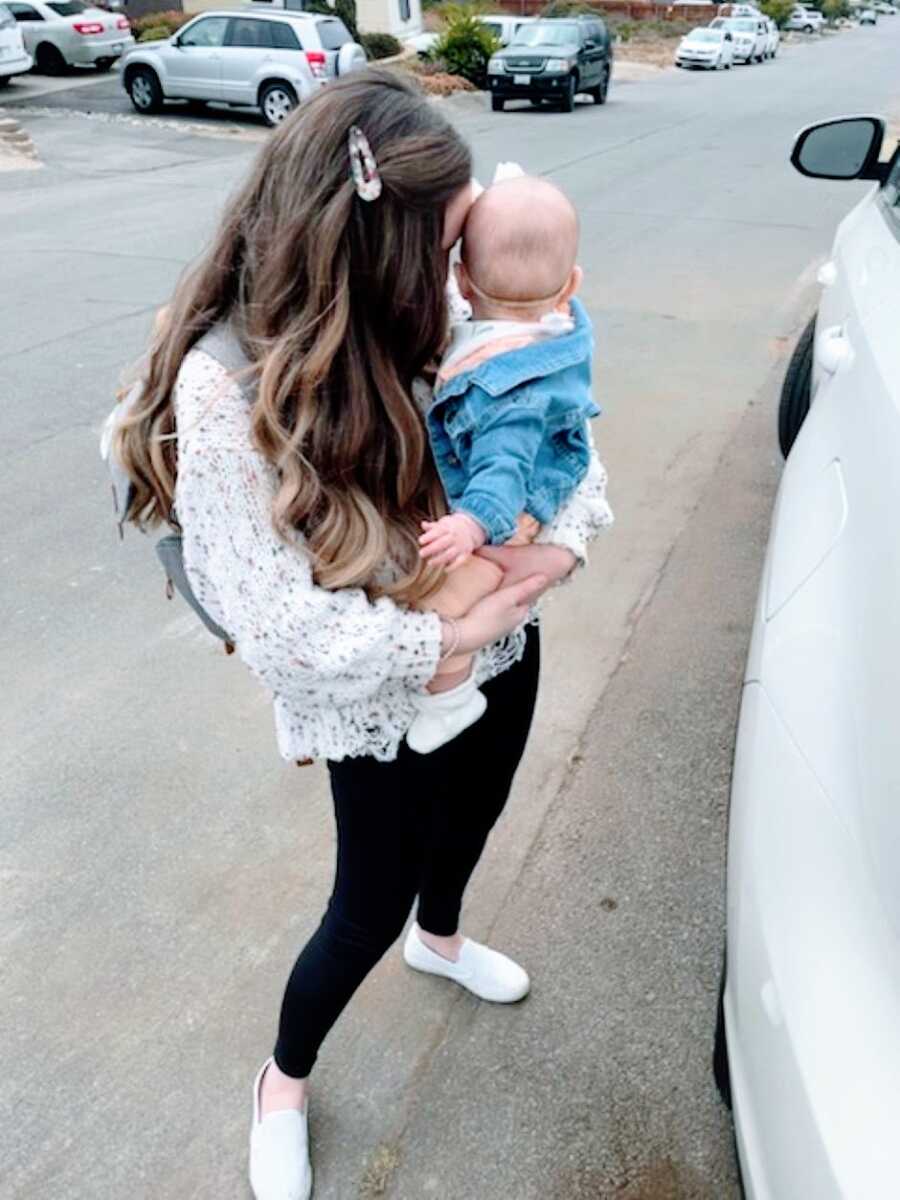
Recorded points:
(161, 866)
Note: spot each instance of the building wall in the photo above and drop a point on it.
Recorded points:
(402, 18)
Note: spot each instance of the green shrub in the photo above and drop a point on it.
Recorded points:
(345, 9)
(832, 10)
(380, 45)
(465, 44)
(153, 26)
(778, 10)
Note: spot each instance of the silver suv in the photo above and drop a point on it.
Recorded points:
(269, 60)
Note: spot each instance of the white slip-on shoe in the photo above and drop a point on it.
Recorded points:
(486, 972)
(279, 1150)
(444, 715)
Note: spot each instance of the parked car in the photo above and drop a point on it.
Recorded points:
(270, 61)
(63, 33)
(773, 41)
(553, 59)
(868, 16)
(14, 58)
(503, 27)
(812, 981)
(750, 34)
(886, 10)
(705, 47)
(738, 10)
(806, 20)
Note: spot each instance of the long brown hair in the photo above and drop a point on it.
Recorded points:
(339, 303)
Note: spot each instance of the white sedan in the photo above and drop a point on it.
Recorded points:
(705, 47)
(811, 1001)
(750, 34)
(61, 33)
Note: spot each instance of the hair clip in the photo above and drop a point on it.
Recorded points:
(363, 166)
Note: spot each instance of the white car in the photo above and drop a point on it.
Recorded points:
(774, 38)
(503, 27)
(14, 58)
(868, 16)
(750, 34)
(61, 33)
(705, 47)
(266, 60)
(886, 10)
(806, 20)
(811, 1000)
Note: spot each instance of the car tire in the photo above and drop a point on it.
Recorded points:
(794, 402)
(5, 80)
(144, 90)
(601, 91)
(535, 102)
(498, 104)
(48, 60)
(808, 29)
(567, 103)
(277, 100)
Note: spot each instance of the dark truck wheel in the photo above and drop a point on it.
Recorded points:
(599, 93)
(795, 391)
(567, 103)
(497, 103)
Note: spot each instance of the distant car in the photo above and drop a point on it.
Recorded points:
(774, 39)
(552, 60)
(265, 60)
(63, 33)
(810, 1001)
(14, 58)
(750, 34)
(705, 47)
(886, 10)
(503, 27)
(805, 20)
(868, 16)
(739, 10)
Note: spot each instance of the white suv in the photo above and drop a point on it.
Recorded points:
(14, 59)
(267, 60)
(813, 960)
(807, 20)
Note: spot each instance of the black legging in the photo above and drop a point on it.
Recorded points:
(414, 826)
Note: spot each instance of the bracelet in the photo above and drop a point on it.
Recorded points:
(457, 637)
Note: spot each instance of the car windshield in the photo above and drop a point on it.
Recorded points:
(6, 17)
(705, 35)
(67, 8)
(559, 33)
(745, 24)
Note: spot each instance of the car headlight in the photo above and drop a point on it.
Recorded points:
(558, 64)
(495, 66)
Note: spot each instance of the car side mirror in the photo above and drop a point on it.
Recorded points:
(847, 148)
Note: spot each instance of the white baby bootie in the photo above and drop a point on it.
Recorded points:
(279, 1150)
(486, 973)
(444, 715)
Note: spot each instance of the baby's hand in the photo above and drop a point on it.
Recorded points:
(449, 541)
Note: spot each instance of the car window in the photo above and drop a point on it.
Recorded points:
(24, 12)
(560, 33)
(206, 33)
(245, 31)
(493, 28)
(333, 33)
(6, 17)
(67, 8)
(283, 36)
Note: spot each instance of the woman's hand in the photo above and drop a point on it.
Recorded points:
(499, 614)
(518, 562)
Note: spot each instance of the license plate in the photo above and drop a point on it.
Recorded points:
(521, 80)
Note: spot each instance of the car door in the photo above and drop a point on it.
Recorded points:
(594, 51)
(249, 45)
(30, 22)
(193, 60)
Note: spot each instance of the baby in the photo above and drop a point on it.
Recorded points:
(508, 421)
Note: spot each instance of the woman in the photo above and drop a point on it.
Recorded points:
(300, 488)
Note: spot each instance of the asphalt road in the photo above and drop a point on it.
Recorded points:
(161, 866)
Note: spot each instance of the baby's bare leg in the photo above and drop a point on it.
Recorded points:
(462, 588)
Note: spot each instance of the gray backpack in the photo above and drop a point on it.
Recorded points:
(222, 345)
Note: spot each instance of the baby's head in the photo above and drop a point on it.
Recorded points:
(520, 243)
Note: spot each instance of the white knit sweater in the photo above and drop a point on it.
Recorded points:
(341, 669)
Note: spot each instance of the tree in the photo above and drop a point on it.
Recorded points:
(466, 44)
(778, 10)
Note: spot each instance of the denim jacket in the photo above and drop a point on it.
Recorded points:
(509, 436)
